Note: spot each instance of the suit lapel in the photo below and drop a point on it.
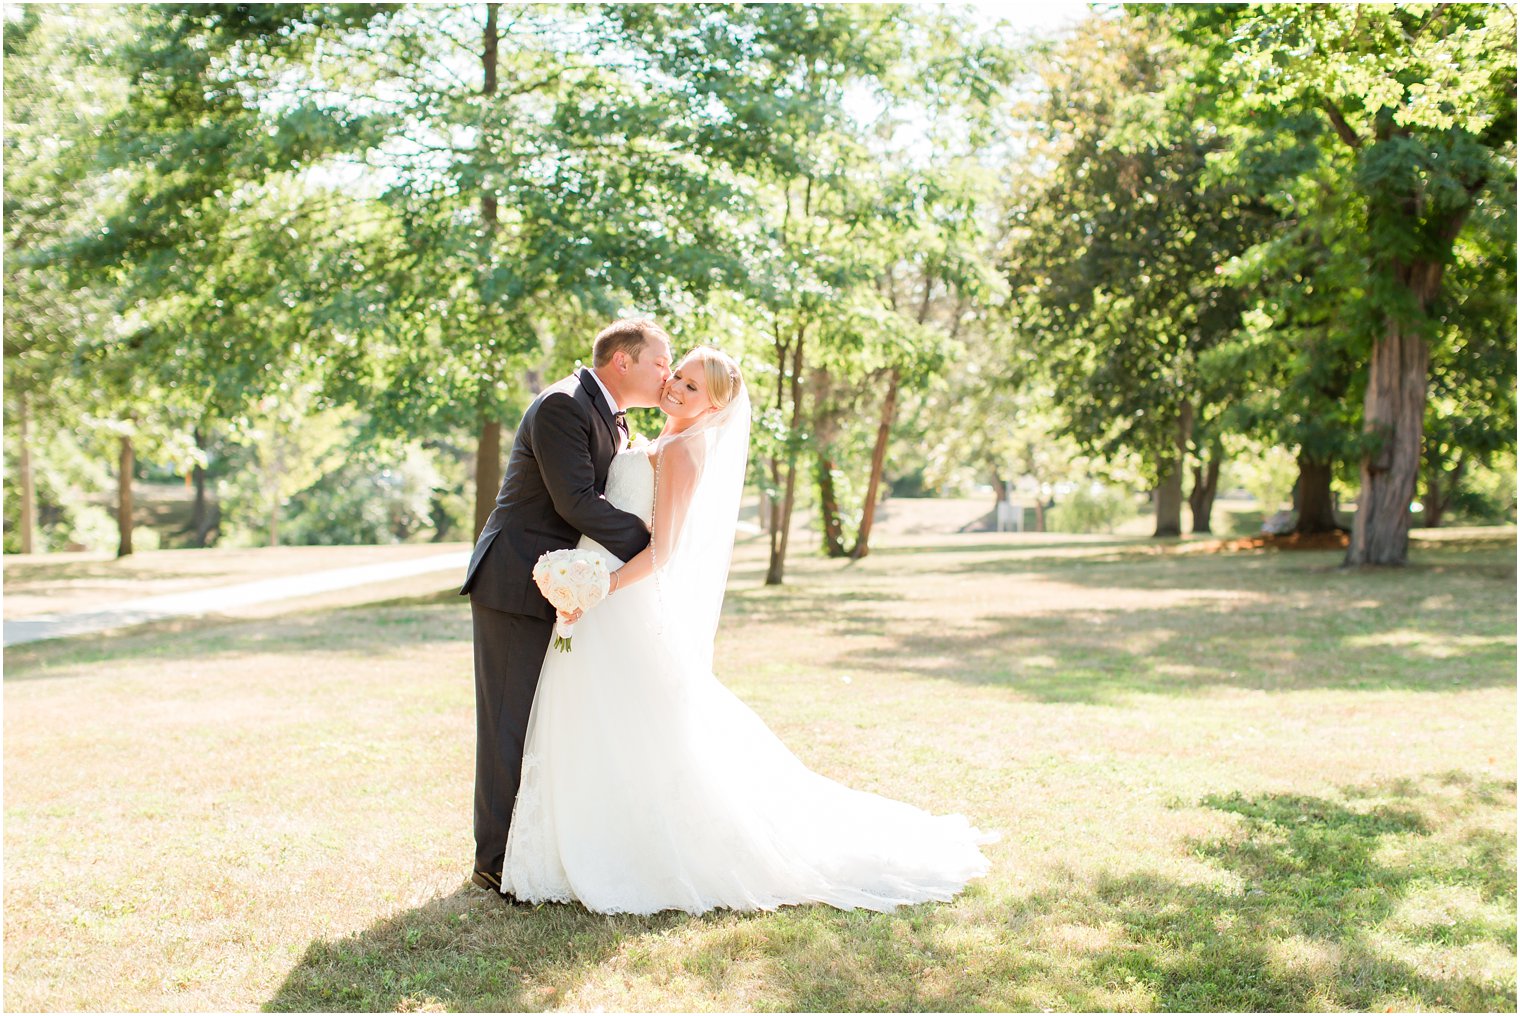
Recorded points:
(600, 402)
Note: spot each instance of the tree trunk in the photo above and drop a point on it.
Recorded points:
(1316, 508)
(781, 525)
(1394, 411)
(781, 514)
(1205, 487)
(125, 468)
(1169, 501)
(1169, 479)
(200, 515)
(828, 507)
(28, 483)
(487, 472)
(878, 464)
(825, 431)
(488, 449)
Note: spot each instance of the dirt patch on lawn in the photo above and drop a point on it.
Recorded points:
(1269, 541)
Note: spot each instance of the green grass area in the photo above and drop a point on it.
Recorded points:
(1223, 781)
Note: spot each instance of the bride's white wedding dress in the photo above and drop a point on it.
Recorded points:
(648, 786)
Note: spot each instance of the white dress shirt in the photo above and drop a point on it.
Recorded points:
(622, 440)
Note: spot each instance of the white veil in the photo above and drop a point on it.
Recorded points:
(699, 479)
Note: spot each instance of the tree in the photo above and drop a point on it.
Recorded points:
(770, 82)
(1291, 360)
(1470, 413)
(1420, 99)
(57, 95)
(1118, 259)
(176, 228)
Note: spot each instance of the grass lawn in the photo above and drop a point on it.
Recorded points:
(1223, 781)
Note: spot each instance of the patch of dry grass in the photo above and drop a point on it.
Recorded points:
(1223, 782)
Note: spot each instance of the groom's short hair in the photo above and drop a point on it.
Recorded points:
(628, 335)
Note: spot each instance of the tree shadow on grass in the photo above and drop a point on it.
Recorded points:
(1102, 656)
(465, 951)
(1316, 921)
(1310, 909)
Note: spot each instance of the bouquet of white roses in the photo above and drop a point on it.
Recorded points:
(571, 580)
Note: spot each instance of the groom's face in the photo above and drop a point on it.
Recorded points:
(646, 376)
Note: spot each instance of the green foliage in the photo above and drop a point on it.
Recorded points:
(1091, 508)
(1266, 473)
(1486, 497)
(230, 218)
(290, 443)
(65, 461)
(366, 501)
(1117, 254)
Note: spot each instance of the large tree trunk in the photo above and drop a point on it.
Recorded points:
(125, 467)
(1316, 506)
(878, 464)
(781, 513)
(487, 472)
(28, 482)
(1205, 487)
(1394, 411)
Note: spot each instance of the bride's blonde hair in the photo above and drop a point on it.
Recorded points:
(721, 373)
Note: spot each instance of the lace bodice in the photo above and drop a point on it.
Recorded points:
(630, 483)
(630, 486)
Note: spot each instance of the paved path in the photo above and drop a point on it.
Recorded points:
(221, 598)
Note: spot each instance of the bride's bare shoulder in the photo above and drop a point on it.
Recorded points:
(676, 464)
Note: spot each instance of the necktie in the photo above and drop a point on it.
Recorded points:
(621, 419)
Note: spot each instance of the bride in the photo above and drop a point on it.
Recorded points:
(646, 784)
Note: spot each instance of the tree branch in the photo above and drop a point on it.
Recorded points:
(1343, 129)
(1434, 16)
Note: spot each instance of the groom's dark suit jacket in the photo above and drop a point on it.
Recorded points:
(552, 494)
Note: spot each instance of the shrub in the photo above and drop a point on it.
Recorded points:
(1091, 508)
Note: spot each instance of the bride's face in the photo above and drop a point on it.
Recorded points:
(685, 394)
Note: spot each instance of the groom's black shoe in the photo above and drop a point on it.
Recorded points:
(488, 880)
(491, 882)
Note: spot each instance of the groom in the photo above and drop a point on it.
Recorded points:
(551, 495)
